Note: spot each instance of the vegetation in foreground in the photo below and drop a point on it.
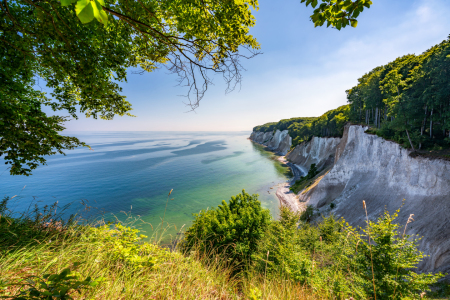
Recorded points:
(235, 251)
(43, 257)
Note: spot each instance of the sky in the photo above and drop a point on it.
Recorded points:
(303, 71)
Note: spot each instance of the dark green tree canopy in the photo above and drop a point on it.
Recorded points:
(408, 99)
(83, 61)
(83, 49)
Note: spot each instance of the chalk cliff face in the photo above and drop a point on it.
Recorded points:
(261, 137)
(382, 173)
(319, 151)
(280, 142)
(367, 167)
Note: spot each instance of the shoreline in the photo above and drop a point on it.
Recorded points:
(283, 193)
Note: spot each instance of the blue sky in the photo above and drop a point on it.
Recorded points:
(303, 71)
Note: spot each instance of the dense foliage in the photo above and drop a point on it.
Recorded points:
(407, 100)
(337, 14)
(44, 42)
(233, 229)
(343, 261)
(331, 257)
(282, 124)
(329, 124)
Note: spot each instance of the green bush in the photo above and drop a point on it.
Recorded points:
(55, 286)
(300, 184)
(280, 253)
(386, 259)
(340, 261)
(232, 230)
(307, 214)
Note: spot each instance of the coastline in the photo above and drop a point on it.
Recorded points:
(283, 193)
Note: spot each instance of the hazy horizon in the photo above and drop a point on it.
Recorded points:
(303, 71)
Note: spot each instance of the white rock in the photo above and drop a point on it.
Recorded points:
(382, 173)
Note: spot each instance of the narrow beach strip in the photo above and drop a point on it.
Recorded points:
(284, 194)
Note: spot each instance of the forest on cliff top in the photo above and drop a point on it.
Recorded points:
(406, 100)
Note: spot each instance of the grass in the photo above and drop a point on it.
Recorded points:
(113, 261)
(43, 257)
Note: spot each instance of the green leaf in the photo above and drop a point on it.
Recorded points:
(99, 13)
(354, 23)
(85, 11)
(67, 2)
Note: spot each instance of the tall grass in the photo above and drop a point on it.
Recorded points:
(43, 257)
(113, 261)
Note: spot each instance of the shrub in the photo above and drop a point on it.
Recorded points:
(386, 259)
(307, 214)
(339, 261)
(280, 253)
(55, 286)
(232, 230)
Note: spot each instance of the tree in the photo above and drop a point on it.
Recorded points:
(387, 260)
(84, 62)
(232, 230)
(338, 14)
(408, 99)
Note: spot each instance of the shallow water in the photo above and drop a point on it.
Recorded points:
(134, 171)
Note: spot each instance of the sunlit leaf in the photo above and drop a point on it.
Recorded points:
(85, 10)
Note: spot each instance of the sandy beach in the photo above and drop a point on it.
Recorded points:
(286, 196)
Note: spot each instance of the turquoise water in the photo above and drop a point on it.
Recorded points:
(134, 171)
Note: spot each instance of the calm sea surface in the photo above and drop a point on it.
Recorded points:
(134, 171)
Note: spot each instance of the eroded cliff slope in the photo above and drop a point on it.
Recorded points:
(280, 142)
(367, 167)
(382, 173)
(319, 151)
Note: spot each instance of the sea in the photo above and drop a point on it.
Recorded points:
(128, 176)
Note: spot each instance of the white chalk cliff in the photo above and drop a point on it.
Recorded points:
(280, 142)
(382, 173)
(367, 167)
(319, 151)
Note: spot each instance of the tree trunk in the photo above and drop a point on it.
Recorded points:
(424, 121)
(431, 124)
(379, 118)
(376, 118)
(359, 114)
(443, 129)
(407, 133)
